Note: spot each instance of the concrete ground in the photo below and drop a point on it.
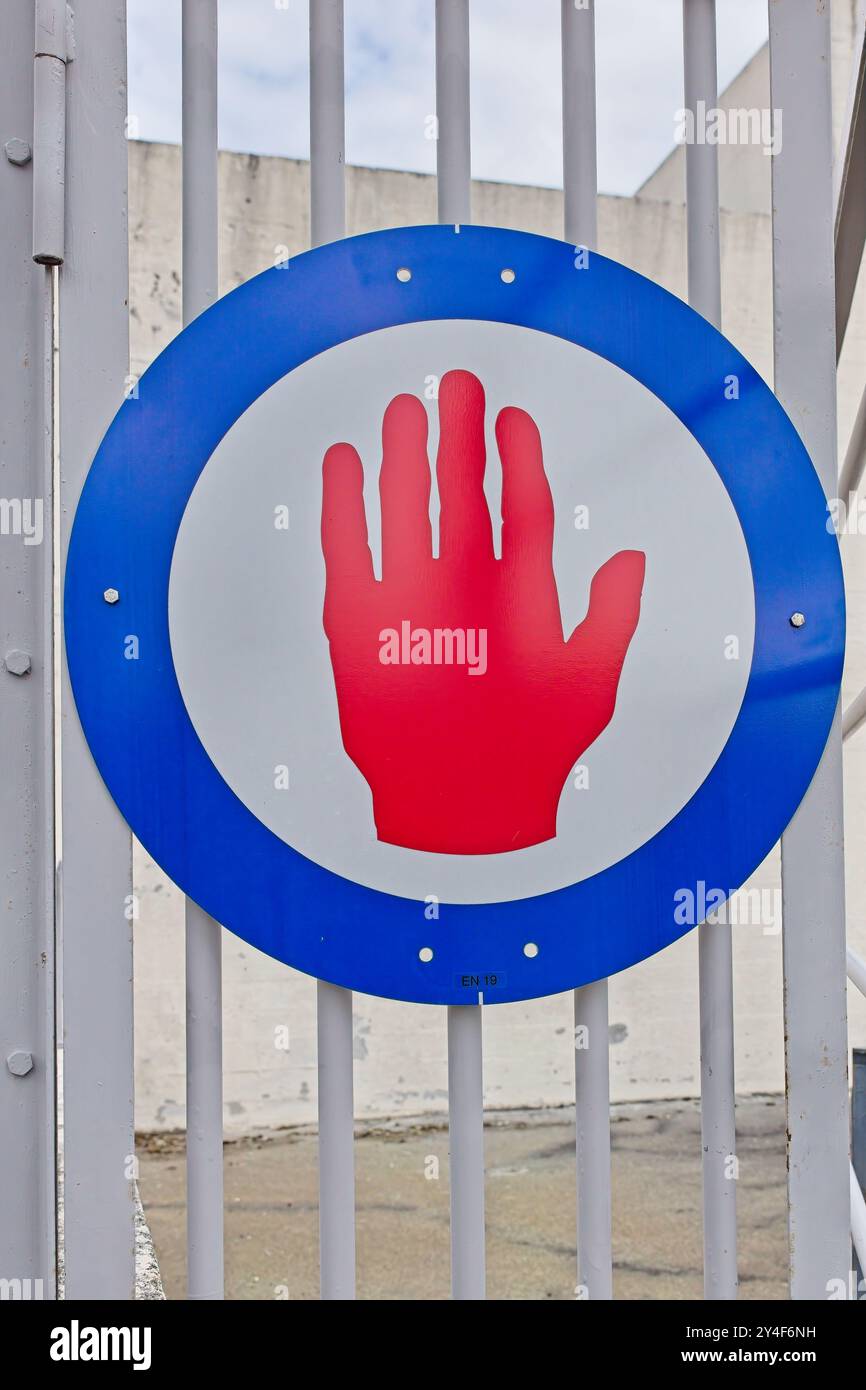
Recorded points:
(402, 1202)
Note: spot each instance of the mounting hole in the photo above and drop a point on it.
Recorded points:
(425, 954)
(404, 274)
(508, 276)
(530, 950)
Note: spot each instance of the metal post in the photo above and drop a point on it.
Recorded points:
(592, 1129)
(27, 1041)
(813, 884)
(591, 1053)
(204, 1082)
(204, 1106)
(849, 180)
(579, 156)
(854, 714)
(49, 132)
(465, 1053)
(327, 123)
(334, 1005)
(858, 1125)
(466, 1151)
(453, 169)
(336, 1143)
(715, 947)
(858, 1227)
(702, 162)
(856, 970)
(98, 906)
(718, 1126)
(851, 471)
(200, 158)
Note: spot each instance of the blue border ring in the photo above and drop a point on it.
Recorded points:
(148, 751)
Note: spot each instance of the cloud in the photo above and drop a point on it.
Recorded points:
(390, 91)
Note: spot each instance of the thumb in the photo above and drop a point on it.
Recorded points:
(603, 637)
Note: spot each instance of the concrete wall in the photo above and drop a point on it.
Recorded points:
(400, 1049)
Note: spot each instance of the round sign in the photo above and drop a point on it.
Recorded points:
(434, 614)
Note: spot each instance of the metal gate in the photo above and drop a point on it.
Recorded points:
(66, 946)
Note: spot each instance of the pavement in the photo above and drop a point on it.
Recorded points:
(271, 1211)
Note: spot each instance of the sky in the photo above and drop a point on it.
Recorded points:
(515, 76)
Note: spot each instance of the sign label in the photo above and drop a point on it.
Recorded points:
(462, 610)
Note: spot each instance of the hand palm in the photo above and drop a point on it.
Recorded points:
(464, 761)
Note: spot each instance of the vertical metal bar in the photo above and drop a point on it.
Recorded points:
(204, 1106)
(715, 946)
(858, 1123)
(334, 1005)
(849, 181)
(466, 1151)
(465, 1052)
(813, 888)
(591, 1053)
(851, 471)
(453, 159)
(27, 1041)
(718, 1124)
(702, 162)
(858, 1228)
(204, 1082)
(592, 1130)
(336, 1143)
(200, 159)
(579, 155)
(327, 122)
(97, 1003)
(49, 132)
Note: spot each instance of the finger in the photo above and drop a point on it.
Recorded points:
(614, 609)
(404, 487)
(527, 503)
(464, 519)
(348, 562)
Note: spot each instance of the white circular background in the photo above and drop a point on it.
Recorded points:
(245, 599)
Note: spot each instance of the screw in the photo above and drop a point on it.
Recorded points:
(20, 1063)
(17, 663)
(17, 151)
(797, 619)
(111, 596)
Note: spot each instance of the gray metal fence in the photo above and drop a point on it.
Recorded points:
(64, 192)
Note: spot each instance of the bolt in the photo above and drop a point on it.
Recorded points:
(17, 663)
(797, 619)
(20, 1063)
(17, 151)
(111, 596)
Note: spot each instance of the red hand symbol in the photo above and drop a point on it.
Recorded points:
(460, 700)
